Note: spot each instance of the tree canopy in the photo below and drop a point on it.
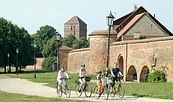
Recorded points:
(73, 42)
(42, 37)
(11, 38)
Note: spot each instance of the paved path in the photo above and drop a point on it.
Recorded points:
(22, 86)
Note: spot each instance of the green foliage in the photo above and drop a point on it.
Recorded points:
(43, 35)
(81, 43)
(69, 40)
(48, 62)
(73, 42)
(11, 38)
(157, 76)
(50, 48)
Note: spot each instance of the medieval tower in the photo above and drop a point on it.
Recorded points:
(76, 27)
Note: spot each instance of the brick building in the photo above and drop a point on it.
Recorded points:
(76, 27)
(138, 41)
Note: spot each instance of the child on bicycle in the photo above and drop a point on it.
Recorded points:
(62, 76)
(100, 85)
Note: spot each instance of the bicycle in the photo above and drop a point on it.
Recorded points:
(86, 88)
(104, 92)
(63, 89)
(118, 88)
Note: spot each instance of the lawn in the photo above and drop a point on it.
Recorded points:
(155, 90)
(10, 97)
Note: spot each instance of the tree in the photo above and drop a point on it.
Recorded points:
(81, 43)
(73, 42)
(11, 38)
(69, 40)
(43, 35)
(48, 62)
(50, 49)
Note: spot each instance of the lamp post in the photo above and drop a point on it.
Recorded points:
(58, 37)
(8, 55)
(17, 51)
(35, 46)
(110, 19)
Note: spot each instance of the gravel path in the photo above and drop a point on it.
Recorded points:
(22, 86)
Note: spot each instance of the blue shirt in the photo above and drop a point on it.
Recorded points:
(115, 72)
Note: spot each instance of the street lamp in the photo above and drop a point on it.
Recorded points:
(35, 61)
(8, 55)
(17, 51)
(110, 19)
(58, 37)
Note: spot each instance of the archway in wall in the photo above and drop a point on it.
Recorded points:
(132, 74)
(144, 74)
(121, 63)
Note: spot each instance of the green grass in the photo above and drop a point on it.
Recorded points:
(155, 90)
(10, 97)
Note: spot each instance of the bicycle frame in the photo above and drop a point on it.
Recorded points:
(85, 89)
(63, 88)
(117, 89)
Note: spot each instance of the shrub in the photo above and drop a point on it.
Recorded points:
(157, 76)
(48, 62)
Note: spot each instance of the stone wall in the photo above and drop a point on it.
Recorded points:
(38, 64)
(138, 54)
(78, 57)
(135, 57)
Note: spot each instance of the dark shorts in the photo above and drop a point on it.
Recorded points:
(81, 77)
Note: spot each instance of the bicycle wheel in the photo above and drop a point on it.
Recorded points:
(105, 93)
(121, 91)
(88, 90)
(67, 91)
(96, 94)
(78, 90)
(59, 91)
(112, 91)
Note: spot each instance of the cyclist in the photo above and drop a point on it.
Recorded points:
(62, 76)
(82, 72)
(115, 74)
(100, 85)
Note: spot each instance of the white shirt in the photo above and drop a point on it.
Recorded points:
(82, 73)
(62, 75)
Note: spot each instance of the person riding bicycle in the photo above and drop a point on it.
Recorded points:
(62, 76)
(100, 85)
(82, 73)
(115, 74)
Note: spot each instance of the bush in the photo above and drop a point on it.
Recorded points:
(157, 76)
(48, 62)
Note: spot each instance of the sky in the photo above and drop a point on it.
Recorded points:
(32, 14)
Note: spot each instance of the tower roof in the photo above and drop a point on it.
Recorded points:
(75, 20)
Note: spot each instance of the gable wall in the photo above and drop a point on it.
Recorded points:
(146, 28)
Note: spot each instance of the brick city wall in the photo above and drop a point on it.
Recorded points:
(130, 55)
(138, 54)
(78, 57)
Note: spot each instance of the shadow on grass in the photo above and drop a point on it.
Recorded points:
(39, 71)
(28, 72)
(134, 94)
